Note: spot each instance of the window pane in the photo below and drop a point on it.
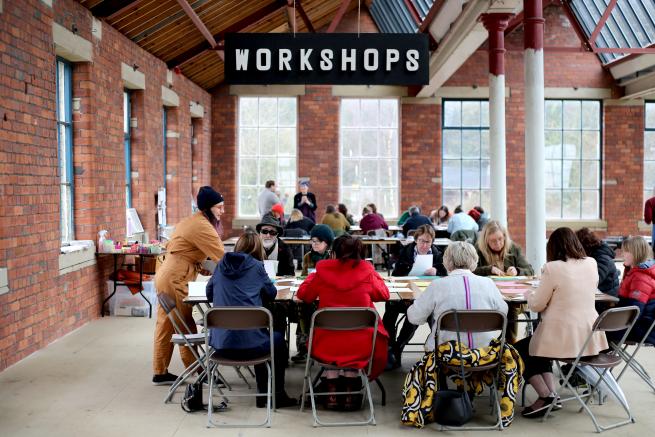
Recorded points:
(350, 142)
(287, 112)
(370, 112)
(61, 92)
(350, 113)
(248, 171)
(268, 142)
(553, 144)
(369, 175)
(553, 203)
(485, 173)
(350, 173)
(571, 174)
(388, 142)
(452, 198)
(484, 113)
(286, 172)
(248, 141)
(452, 173)
(553, 173)
(471, 114)
(471, 174)
(572, 144)
(591, 144)
(452, 144)
(248, 114)
(484, 144)
(286, 138)
(650, 115)
(369, 139)
(126, 113)
(470, 198)
(286, 193)
(267, 111)
(388, 200)
(570, 204)
(248, 201)
(63, 155)
(485, 199)
(590, 115)
(649, 176)
(471, 144)
(590, 204)
(649, 143)
(553, 114)
(452, 113)
(572, 114)
(267, 170)
(590, 174)
(388, 173)
(388, 113)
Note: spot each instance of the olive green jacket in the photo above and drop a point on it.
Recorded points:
(514, 258)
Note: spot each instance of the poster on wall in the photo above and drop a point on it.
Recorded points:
(326, 58)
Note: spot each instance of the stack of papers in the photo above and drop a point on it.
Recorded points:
(197, 289)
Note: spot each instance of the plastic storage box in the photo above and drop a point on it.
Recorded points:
(124, 303)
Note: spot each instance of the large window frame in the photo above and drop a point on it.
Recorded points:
(369, 149)
(64, 99)
(475, 126)
(127, 142)
(582, 135)
(649, 149)
(267, 143)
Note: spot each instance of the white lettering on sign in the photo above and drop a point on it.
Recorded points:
(393, 56)
(412, 60)
(285, 57)
(304, 59)
(370, 59)
(242, 59)
(348, 59)
(326, 59)
(263, 59)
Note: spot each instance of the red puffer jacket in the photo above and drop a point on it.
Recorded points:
(638, 288)
(342, 284)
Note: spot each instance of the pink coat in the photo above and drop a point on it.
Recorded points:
(565, 298)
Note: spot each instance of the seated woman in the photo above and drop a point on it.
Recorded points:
(638, 287)
(461, 289)
(608, 275)
(346, 281)
(344, 210)
(240, 280)
(499, 256)
(321, 241)
(299, 221)
(335, 220)
(422, 245)
(441, 217)
(565, 298)
(371, 222)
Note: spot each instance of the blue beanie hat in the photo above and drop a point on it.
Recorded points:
(323, 233)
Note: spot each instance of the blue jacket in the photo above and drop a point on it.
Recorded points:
(414, 221)
(239, 280)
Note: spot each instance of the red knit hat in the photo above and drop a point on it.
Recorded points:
(475, 214)
(278, 208)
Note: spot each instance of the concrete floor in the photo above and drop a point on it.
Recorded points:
(96, 382)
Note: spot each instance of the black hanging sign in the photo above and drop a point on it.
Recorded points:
(326, 58)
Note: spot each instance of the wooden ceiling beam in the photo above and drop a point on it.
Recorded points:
(110, 7)
(195, 19)
(121, 11)
(256, 16)
(305, 17)
(338, 16)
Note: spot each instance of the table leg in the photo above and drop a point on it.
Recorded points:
(102, 307)
(141, 286)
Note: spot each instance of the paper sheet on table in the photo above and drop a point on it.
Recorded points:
(422, 284)
(197, 289)
(271, 267)
(421, 264)
(509, 278)
(401, 278)
(510, 284)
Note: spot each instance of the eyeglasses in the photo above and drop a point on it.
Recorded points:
(315, 241)
(424, 241)
(268, 232)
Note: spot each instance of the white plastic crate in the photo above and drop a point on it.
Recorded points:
(124, 303)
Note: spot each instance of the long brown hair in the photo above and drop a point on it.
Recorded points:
(562, 245)
(251, 244)
(494, 259)
(588, 239)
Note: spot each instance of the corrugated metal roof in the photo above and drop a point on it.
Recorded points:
(631, 24)
(394, 16)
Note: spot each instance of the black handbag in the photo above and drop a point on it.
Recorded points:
(192, 400)
(453, 407)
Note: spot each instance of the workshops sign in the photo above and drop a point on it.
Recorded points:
(326, 58)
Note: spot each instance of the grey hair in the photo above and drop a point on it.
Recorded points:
(460, 255)
(412, 209)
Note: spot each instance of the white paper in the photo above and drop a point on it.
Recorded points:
(421, 264)
(271, 267)
(197, 289)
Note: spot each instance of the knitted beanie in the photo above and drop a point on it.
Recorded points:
(475, 214)
(323, 233)
(208, 197)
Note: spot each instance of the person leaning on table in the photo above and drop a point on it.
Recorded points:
(565, 298)
(499, 256)
(195, 239)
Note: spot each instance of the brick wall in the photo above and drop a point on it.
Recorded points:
(42, 305)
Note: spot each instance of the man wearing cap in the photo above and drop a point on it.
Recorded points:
(305, 201)
(274, 248)
(267, 198)
(195, 239)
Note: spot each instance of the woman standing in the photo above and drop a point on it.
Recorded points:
(305, 201)
(565, 298)
(195, 239)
